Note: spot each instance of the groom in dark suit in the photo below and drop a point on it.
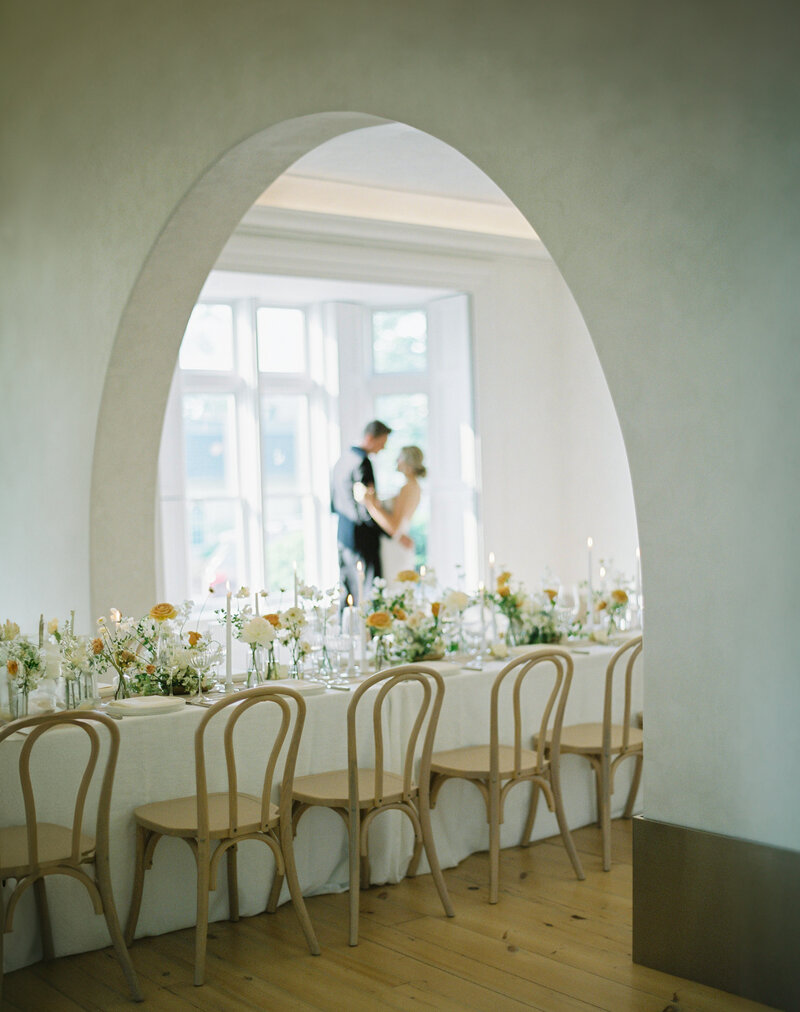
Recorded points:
(359, 536)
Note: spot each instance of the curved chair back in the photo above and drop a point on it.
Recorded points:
(628, 654)
(548, 738)
(429, 707)
(84, 720)
(291, 710)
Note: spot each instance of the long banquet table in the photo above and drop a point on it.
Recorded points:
(156, 762)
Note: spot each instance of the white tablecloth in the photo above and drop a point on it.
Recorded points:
(157, 762)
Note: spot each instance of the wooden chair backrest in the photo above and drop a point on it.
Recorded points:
(523, 666)
(84, 720)
(629, 652)
(430, 706)
(292, 710)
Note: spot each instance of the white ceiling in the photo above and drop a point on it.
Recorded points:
(396, 173)
(398, 157)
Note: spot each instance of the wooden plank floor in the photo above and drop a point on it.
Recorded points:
(551, 943)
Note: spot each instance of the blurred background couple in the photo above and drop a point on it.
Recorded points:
(372, 531)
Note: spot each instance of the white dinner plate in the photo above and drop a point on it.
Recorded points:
(140, 706)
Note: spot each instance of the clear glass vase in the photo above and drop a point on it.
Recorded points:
(255, 667)
(381, 654)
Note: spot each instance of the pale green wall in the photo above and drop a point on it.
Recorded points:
(655, 150)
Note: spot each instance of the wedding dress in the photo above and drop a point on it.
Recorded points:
(394, 557)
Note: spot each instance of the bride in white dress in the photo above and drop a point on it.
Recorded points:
(395, 515)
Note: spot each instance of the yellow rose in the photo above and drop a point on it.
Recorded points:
(379, 620)
(161, 612)
(407, 576)
(552, 594)
(194, 638)
(399, 614)
(602, 605)
(436, 607)
(503, 590)
(619, 596)
(503, 579)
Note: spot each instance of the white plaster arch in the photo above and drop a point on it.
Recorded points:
(147, 343)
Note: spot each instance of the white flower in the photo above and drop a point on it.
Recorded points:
(258, 631)
(379, 582)
(293, 618)
(52, 626)
(456, 600)
(498, 649)
(243, 592)
(415, 619)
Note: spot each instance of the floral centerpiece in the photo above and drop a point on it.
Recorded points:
(23, 664)
(611, 605)
(324, 606)
(260, 633)
(291, 632)
(451, 617)
(79, 664)
(155, 654)
(515, 604)
(418, 635)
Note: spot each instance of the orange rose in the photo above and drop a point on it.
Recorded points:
(407, 576)
(13, 666)
(97, 646)
(125, 657)
(379, 620)
(150, 669)
(620, 596)
(504, 591)
(552, 594)
(399, 614)
(602, 605)
(273, 619)
(161, 612)
(194, 638)
(436, 607)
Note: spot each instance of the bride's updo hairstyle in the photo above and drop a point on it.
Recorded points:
(411, 456)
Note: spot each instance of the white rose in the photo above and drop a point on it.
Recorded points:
(258, 631)
(498, 649)
(456, 600)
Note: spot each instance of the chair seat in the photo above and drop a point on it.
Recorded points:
(178, 817)
(331, 789)
(473, 762)
(589, 738)
(55, 847)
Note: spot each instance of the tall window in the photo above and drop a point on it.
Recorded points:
(262, 402)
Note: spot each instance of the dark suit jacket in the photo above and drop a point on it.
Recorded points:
(357, 530)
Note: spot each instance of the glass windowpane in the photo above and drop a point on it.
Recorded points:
(216, 546)
(208, 341)
(284, 443)
(284, 542)
(399, 341)
(209, 432)
(281, 340)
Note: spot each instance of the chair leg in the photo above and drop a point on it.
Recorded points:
(275, 891)
(142, 835)
(532, 805)
(566, 836)
(355, 862)
(433, 857)
(637, 779)
(103, 877)
(287, 847)
(201, 928)
(40, 891)
(494, 842)
(605, 815)
(231, 859)
(598, 788)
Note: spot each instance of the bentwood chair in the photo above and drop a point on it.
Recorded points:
(32, 852)
(606, 744)
(214, 824)
(497, 768)
(360, 794)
